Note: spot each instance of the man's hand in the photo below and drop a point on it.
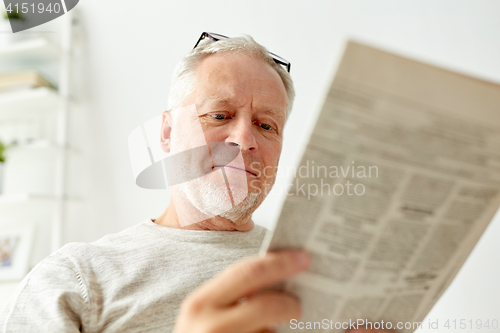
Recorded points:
(234, 301)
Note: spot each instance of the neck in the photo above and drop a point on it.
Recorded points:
(170, 219)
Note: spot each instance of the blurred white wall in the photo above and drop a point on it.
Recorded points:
(132, 48)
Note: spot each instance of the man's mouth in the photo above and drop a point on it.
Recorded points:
(235, 168)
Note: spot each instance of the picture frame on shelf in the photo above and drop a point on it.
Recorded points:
(15, 251)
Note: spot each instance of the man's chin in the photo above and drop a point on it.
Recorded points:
(211, 200)
(241, 213)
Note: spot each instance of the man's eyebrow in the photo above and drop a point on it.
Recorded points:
(227, 100)
(274, 112)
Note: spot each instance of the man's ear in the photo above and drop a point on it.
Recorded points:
(166, 129)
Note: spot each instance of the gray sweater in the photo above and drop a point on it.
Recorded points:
(133, 281)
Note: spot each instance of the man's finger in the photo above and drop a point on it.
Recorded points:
(251, 275)
(262, 311)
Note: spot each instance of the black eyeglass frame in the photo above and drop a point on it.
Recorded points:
(215, 37)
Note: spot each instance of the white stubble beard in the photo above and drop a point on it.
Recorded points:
(213, 200)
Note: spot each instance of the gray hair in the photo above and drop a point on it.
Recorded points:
(183, 79)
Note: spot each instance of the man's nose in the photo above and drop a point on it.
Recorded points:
(242, 135)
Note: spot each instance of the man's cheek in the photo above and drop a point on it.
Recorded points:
(269, 172)
(190, 132)
(255, 186)
(255, 168)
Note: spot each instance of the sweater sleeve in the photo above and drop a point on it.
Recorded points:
(51, 298)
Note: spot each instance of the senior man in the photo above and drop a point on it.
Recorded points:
(136, 280)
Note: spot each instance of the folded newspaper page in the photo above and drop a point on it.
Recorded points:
(399, 179)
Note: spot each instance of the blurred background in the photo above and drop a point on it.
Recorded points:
(105, 69)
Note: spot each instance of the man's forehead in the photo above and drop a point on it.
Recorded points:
(239, 67)
(235, 79)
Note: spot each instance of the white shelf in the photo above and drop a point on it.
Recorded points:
(22, 198)
(28, 53)
(39, 145)
(6, 200)
(28, 104)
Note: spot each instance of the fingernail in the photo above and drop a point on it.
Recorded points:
(302, 259)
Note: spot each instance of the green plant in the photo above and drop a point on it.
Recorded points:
(13, 15)
(2, 152)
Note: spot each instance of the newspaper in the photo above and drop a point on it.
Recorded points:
(399, 179)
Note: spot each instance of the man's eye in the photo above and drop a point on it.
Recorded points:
(266, 127)
(219, 116)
